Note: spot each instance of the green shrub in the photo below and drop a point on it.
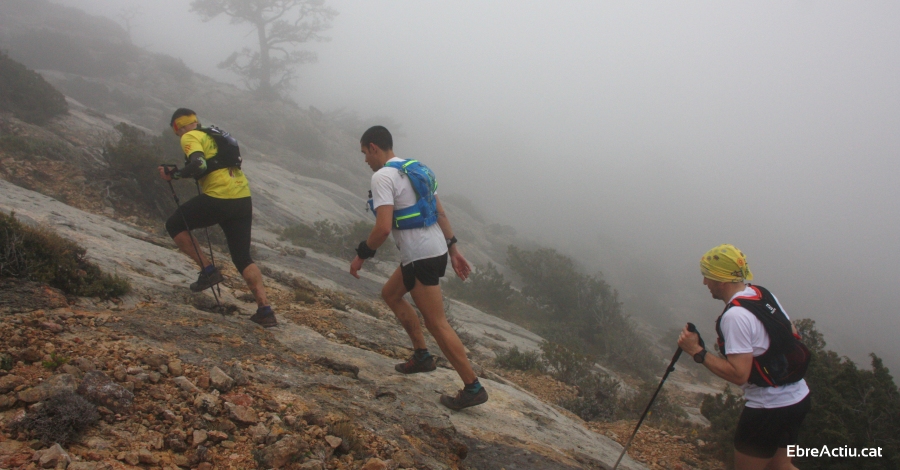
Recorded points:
(486, 288)
(6, 362)
(56, 361)
(514, 359)
(664, 409)
(335, 239)
(565, 364)
(41, 255)
(135, 184)
(32, 148)
(27, 95)
(722, 411)
(597, 400)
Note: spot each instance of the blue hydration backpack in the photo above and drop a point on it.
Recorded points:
(424, 212)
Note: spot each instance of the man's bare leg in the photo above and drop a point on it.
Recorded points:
(188, 247)
(431, 304)
(254, 281)
(392, 293)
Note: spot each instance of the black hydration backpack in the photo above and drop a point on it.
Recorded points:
(228, 155)
(787, 358)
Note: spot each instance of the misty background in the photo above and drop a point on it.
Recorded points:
(633, 136)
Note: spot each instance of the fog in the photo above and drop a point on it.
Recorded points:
(634, 136)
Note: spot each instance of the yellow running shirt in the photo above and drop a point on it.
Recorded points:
(227, 183)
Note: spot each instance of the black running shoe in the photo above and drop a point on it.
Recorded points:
(414, 366)
(464, 399)
(205, 281)
(264, 317)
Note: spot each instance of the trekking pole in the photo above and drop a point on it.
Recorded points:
(692, 329)
(183, 219)
(212, 257)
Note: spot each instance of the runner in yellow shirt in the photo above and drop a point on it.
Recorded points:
(224, 200)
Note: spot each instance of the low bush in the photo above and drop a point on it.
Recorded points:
(722, 411)
(514, 359)
(60, 419)
(335, 239)
(38, 254)
(597, 400)
(27, 95)
(565, 364)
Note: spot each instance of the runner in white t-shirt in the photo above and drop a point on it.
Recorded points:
(423, 261)
(772, 415)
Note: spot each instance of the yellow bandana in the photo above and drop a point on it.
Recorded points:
(725, 263)
(184, 121)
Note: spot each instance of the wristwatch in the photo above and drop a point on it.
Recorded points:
(451, 241)
(700, 356)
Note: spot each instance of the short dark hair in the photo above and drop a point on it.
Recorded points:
(378, 135)
(178, 113)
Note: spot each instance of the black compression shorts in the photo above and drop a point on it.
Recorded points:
(761, 431)
(235, 216)
(428, 271)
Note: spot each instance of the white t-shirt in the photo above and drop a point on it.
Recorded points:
(744, 333)
(390, 187)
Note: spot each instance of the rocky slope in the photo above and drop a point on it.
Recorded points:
(325, 371)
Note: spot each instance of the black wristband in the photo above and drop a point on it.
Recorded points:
(452, 241)
(363, 251)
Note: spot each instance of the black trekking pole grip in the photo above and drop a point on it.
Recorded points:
(693, 329)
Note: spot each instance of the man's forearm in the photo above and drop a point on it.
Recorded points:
(724, 369)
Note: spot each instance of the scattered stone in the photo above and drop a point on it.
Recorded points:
(97, 443)
(219, 380)
(181, 460)
(206, 402)
(205, 466)
(176, 443)
(175, 367)
(53, 457)
(131, 458)
(258, 433)
(203, 382)
(155, 360)
(52, 327)
(374, 464)
(120, 374)
(53, 386)
(147, 457)
(242, 414)
(154, 440)
(154, 377)
(71, 370)
(237, 373)
(199, 437)
(10, 382)
(100, 390)
(217, 436)
(333, 441)
(7, 402)
(134, 370)
(186, 384)
(403, 459)
(238, 399)
(31, 355)
(282, 452)
(312, 465)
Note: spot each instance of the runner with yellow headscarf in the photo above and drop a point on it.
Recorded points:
(760, 354)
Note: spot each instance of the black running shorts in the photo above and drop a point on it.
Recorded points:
(761, 431)
(428, 271)
(235, 216)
